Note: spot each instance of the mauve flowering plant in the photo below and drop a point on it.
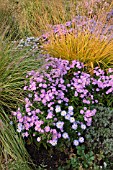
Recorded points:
(61, 101)
(78, 23)
(82, 23)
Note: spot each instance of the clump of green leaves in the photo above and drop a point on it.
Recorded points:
(100, 135)
(82, 160)
(97, 153)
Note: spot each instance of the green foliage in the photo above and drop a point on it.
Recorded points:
(81, 160)
(14, 64)
(100, 135)
(97, 153)
(13, 151)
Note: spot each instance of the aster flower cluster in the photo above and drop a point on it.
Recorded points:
(31, 43)
(80, 23)
(61, 101)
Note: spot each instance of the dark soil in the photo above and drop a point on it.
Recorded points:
(51, 158)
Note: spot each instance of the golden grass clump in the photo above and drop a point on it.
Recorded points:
(85, 47)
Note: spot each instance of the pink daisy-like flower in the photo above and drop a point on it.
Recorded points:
(47, 129)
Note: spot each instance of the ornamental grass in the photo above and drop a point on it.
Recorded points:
(13, 153)
(14, 64)
(34, 17)
(91, 49)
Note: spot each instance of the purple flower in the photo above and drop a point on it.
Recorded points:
(83, 126)
(53, 142)
(81, 111)
(65, 135)
(74, 126)
(44, 85)
(72, 119)
(19, 115)
(68, 24)
(58, 109)
(26, 134)
(37, 110)
(79, 133)
(81, 139)
(56, 99)
(76, 142)
(59, 101)
(49, 116)
(59, 125)
(70, 113)
(20, 127)
(33, 86)
(59, 135)
(67, 117)
(70, 108)
(47, 128)
(63, 113)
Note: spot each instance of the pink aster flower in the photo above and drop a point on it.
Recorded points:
(33, 86)
(26, 134)
(81, 111)
(37, 128)
(59, 135)
(47, 128)
(19, 115)
(20, 120)
(49, 116)
(54, 131)
(53, 142)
